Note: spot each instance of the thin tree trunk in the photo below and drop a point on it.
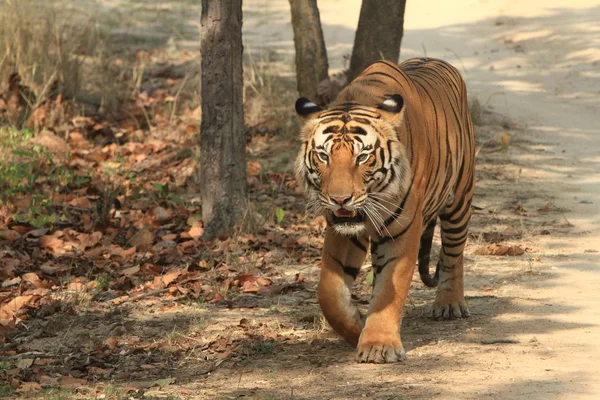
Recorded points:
(311, 55)
(222, 141)
(379, 34)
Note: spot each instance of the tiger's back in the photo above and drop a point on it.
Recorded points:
(438, 134)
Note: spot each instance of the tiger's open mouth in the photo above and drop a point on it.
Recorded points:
(343, 216)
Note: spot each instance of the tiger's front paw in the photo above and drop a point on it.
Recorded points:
(378, 348)
(449, 306)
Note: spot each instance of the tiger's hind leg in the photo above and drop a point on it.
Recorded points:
(450, 299)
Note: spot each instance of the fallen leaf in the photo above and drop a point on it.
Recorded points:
(68, 382)
(81, 202)
(36, 233)
(131, 271)
(8, 310)
(9, 234)
(218, 297)
(99, 371)
(160, 215)
(197, 230)
(499, 250)
(43, 361)
(51, 142)
(545, 208)
(77, 287)
(35, 280)
(25, 363)
(11, 282)
(29, 387)
(48, 382)
(142, 240)
(52, 243)
(112, 342)
(162, 383)
(171, 276)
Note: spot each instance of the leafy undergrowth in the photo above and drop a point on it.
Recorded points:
(100, 221)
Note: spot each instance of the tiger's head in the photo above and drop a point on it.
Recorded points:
(351, 162)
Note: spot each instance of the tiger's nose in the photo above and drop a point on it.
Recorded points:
(341, 200)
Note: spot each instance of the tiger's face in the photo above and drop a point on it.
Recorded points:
(351, 162)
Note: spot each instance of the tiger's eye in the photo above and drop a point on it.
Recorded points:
(323, 157)
(362, 158)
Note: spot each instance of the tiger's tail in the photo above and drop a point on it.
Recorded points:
(424, 255)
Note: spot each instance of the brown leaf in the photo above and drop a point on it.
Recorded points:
(51, 142)
(68, 382)
(25, 363)
(9, 234)
(218, 297)
(82, 202)
(112, 342)
(143, 240)
(36, 233)
(171, 276)
(275, 289)
(253, 168)
(48, 382)
(43, 361)
(499, 250)
(545, 208)
(8, 310)
(28, 387)
(35, 280)
(53, 244)
(160, 215)
(197, 230)
(11, 282)
(319, 223)
(77, 287)
(49, 269)
(131, 271)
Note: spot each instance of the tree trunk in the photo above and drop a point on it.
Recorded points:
(311, 55)
(379, 34)
(222, 141)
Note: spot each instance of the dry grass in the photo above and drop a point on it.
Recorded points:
(46, 49)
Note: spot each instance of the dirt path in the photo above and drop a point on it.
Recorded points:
(538, 68)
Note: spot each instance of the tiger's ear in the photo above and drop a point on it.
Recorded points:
(393, 108)
(392, 104)
(306, 108)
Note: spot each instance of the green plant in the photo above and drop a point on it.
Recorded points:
(6, 391)
(32, 174)
(163, 193)
(5, 365)
(102, 282)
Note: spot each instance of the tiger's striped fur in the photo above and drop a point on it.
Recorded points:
(394, 153)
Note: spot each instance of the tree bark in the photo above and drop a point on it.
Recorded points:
(222, 141)
(311, 55)
(379, 34)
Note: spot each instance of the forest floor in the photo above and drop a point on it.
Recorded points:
(109, 292)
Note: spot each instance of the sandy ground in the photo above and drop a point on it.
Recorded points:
(538, 66)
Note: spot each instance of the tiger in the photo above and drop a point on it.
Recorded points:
(389, 157)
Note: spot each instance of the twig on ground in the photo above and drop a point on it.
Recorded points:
(496, 341)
